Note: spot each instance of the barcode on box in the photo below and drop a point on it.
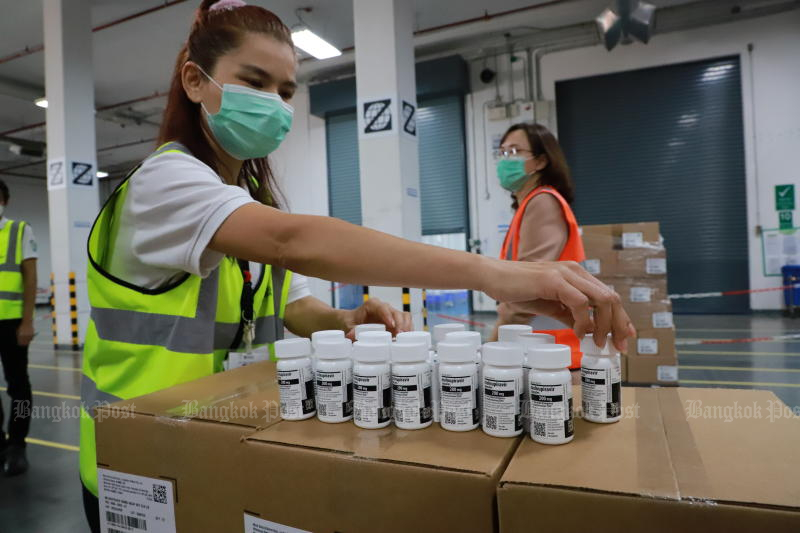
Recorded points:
(130, 522)
(160, 494)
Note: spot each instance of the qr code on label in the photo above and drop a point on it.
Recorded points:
(159, 493)
(449, 417)
(491, 422)
(323, 409)
(538, 429)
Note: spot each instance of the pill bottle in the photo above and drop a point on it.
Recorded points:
(441, 330)
(372, 385)
(502, 389)
(600, 382)
(334, 378)
(416, 337)
(411, 386)
(550, 390)
(368, 327)
(380, 337)
(473, 338)
(458, 386)
(324, 334)
(295, 379)
(527, 340)
(509, 332)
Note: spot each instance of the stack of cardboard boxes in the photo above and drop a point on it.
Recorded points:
(632, 260)
(214, 456)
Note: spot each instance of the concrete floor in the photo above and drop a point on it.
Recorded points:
(48, 499)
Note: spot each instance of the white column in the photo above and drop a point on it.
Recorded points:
(71, 155)
(388, 153)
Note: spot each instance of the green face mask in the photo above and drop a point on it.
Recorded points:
(250, 124)
(511, 172)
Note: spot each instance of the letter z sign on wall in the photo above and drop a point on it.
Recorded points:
(376, 117)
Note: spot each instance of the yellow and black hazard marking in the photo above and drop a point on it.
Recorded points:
(424, 310)
(366, 292)
(73, 311)
(406, 300)
(53, 309)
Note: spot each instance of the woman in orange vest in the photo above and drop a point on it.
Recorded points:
(532, 167)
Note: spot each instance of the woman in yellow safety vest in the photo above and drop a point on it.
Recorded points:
(191, 256)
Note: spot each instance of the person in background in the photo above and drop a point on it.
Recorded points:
(17, 304)
(532, 167)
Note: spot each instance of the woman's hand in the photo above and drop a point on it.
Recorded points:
(25, 333)
(565, 291)
(375, 311)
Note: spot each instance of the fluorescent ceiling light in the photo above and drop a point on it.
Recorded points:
(101, 174)
(311, 43)
(41, 102)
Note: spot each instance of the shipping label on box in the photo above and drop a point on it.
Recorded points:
(640, 294)
(135, 503)
(253, 524)
(592, 266)
(663, 320)
(647, 346)
(656, 265)
(634, 239)
(667, 373)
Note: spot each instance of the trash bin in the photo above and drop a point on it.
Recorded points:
(791, 295)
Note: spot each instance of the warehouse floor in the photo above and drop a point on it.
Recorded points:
(47, 498)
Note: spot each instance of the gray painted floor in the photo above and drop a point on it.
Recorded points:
(48, 499)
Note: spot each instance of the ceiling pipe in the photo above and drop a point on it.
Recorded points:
(29, 50)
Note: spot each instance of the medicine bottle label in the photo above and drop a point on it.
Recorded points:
(372, 398)
(601, 392)
(411, 395)
(502, 404)
(551, 411)
(335, 393)
(297, 392)
(459, 400)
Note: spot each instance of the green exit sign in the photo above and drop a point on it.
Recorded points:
(784, 197)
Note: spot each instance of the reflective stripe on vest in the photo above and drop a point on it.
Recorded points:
(139, 341)
(573, 251)
(11, 284)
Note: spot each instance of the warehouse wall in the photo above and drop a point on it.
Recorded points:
(29, 203)
(301, 168)
(770, 104)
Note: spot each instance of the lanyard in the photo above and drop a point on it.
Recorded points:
(247, 328)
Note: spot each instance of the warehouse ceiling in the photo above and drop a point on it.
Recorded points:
(135, 43)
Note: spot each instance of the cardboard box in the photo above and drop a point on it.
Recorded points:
(225, 459)
(336, 477)
(653, 342)
(639, 290)
(601, 262)
(652, 369)
(655, 315)
(187, 440)
(621, 236)
(690, 461)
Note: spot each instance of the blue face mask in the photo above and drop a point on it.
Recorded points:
(250, 124)
(511, 172)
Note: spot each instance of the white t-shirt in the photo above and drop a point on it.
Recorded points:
(174, 206)
(29, 246)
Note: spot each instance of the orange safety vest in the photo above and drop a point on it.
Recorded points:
(573, 251)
